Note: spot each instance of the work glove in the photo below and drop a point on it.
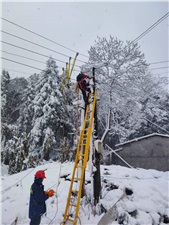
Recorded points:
(50, 193)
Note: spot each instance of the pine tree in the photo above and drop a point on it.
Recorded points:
(43, 117)
(5, 80)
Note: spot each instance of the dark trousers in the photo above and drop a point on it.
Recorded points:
(35, 221)
(85, 97)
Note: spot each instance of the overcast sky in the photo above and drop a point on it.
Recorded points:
(76, 25)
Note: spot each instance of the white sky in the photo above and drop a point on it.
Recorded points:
(76, 25)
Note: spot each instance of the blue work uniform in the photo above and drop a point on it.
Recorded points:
(37, 205)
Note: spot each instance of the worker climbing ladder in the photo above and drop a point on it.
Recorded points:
(75, 190)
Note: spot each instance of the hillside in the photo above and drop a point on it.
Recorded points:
(146, 204)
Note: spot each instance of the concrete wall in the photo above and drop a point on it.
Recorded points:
(148, 153)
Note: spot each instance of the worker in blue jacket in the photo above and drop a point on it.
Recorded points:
(38, 196)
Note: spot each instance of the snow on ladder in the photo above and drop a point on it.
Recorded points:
(76, 185)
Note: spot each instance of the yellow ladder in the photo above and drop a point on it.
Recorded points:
(75, 190)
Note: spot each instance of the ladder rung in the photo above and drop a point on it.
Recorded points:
(82, 144)
(81, 154)
(70, 220)
(77, 178)
(73, 205)
(79, 166)
(75, 191)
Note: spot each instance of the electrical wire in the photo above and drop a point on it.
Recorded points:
(15, 71)
(22, 56)
(151, 112)
(159, 68)
(51, 220)
(7, 189)
(24, 65)
(155, 24)
(38, 45)
(21, 64)
(150, 28)
(37, 53)
(30, 50)
(42, 36)
(158, 62)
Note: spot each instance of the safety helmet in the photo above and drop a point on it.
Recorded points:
(40, 174)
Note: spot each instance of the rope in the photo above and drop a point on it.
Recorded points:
(78, 219)
(51, 220)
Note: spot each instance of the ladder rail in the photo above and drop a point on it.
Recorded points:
(81, 157)
(74, 170)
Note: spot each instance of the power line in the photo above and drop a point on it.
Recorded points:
(159, 68)
(59, 67)
(34, 52)
(42, 36)
(8, 188)
(31, 59)
(22, 56)
(25, 64)
(167, 131)
(150, 28)
(39, 45)
(21, 64)
(30, 50)
(158, 62)
(15, 71)
(147, 69)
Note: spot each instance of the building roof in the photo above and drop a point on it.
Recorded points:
(143, 137)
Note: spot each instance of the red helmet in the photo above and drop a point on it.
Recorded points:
(40, 174)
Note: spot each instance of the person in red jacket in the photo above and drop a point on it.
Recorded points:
(38, 196)
(83, 83)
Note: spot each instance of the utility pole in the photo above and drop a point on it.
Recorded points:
(97, 155)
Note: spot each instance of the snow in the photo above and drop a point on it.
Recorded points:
(150, 194)
(143, 137)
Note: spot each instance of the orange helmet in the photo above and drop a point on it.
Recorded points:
(40, 174)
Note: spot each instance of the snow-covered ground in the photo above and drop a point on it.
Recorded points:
(146, 206)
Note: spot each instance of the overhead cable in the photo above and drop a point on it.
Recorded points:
(39, 45)
(32, 51)
(167, 131)
(22, 56)
(159, 68)
(15, 71)
(21, 64)
(8, 188)
(42, 36)
(158, 62)
(26, 64)
(150, 28)
(30, 58)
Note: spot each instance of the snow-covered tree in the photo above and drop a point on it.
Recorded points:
(11, 96)
(5, 80)
(43, 120)
(124, 84)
